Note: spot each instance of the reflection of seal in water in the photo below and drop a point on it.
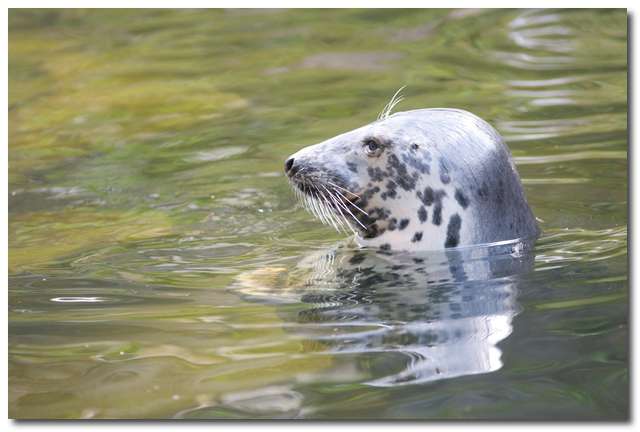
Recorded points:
(416, 180)
(453, 309)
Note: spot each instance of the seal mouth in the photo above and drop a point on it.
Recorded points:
(330, 203)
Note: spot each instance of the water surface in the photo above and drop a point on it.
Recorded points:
(159, 266)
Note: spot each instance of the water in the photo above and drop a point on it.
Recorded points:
(159, 266)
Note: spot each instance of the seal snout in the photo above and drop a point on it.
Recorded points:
(299, 173)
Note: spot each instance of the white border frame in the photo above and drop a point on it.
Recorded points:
(273, 425)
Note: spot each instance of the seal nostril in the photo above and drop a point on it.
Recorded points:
(288, 165)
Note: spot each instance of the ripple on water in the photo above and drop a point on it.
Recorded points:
(79, 299)
(268, 402)
(217, 154)
(352, 60)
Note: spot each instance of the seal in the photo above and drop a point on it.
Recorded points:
(424, 179)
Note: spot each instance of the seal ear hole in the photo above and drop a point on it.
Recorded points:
(414, 146)
(372, 147)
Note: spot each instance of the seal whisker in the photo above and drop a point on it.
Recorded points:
(296, 192)
(350, 202)
(341, 218)
(317, 211)
(322, 211)
(341, 188)
(309, 205)
(341, 214)
(340, 204)
(346, 219)
(395, 100)
(331, 214)
(318, 203)
(315, 202)
(359, 209)
(305, 203)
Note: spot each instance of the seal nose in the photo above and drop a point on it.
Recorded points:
(288, 166)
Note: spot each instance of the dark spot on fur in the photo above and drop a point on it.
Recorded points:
(453, 231)
(437, 208)
(483, 191)
(352, 167)
(367, 195)
(398, 171)
(377, 174)
(416, 161)
(461, 198)
(403, 224)
(444, 172)
(374, 231)
(422, 214)
(379, 213)
(391, 190)
(428, 197)
(392, 224)
(416, 237)
(418, 260)
(357, 258)
(437, 214)
(500, 193)
(385, 247)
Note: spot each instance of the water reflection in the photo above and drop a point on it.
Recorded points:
(535, 30)
(543, 33)
(438, 315)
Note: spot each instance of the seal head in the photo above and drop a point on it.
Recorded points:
(425, 179)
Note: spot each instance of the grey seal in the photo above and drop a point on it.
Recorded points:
(424, 179)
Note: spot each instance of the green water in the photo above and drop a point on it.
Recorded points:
(146, 153)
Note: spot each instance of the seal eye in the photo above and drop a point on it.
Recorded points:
(372, 147)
